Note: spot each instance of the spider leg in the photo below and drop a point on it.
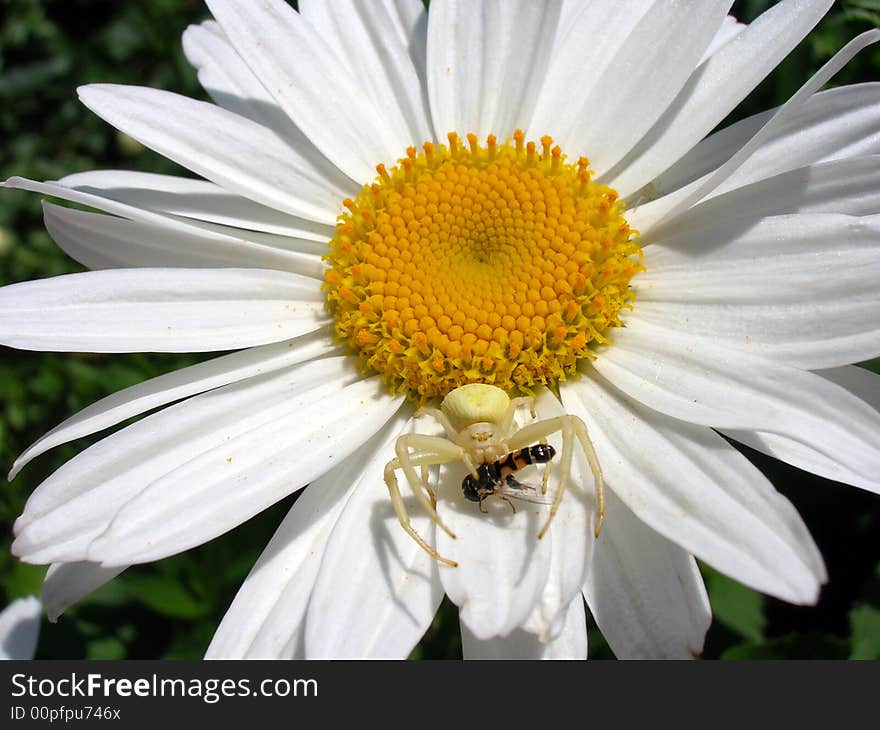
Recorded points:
(441, 418)
(428, 450)
(570, 426)
(451, 435)
(546, 477)
(506, 422)
(421, 450)
(580, 429)
(426, 484)
(403, 515)
(564, 473)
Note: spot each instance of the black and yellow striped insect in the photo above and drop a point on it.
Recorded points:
(496, 478)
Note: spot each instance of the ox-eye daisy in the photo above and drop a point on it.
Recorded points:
(395, 203)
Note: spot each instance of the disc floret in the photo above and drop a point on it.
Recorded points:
(463, 263)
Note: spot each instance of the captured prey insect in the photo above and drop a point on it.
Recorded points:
(496, 478)
(480, 431)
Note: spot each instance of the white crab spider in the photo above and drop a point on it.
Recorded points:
(480, 429)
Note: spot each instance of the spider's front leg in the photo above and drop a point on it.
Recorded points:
(506, 423)
(419, 450)
(440, 417)
(571, 427)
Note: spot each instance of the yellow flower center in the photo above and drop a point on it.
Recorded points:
(500, 264)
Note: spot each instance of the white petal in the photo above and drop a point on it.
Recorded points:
(366, 38)
(67, 583)
(832, 124)
(788, 111)
(232, 151)
(220, 488)
(571, 9)
(159, 310)
(269, 240)
(650, 202)
(843, 125)
(208, 237)
(577, 66)
(699, 381)
(194, 199)
(106, 242)
(486, 63)
(863, 384)
(729, 30)
(502, 565)
(410, 20)
(20, 628)
(233, 86)
(645, 593)
(571, 643)
(849, 186)
(377, 590)
(687, 483)
(208, 234)
(176, 385)
(800, 289)
(716, 87)
(572, 534)
(499, 559)
(267, 619)
(642, 79)
(76, 503)
(310, 82)
(787, 333)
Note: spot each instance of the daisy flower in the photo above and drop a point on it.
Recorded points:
(394, 203)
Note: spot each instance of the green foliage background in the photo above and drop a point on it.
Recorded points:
(169, 609)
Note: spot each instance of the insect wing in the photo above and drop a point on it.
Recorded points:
(525, 493)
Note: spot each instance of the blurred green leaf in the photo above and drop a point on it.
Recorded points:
(792, 646)
(109, 648)
(166, 597)
(872, 365)
(191, 643)
(862, 10)
(22, 580)
(113, 594)
(737, 607)
(27, 79)
(865, 622)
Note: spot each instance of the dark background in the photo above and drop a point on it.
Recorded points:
(169, 609)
